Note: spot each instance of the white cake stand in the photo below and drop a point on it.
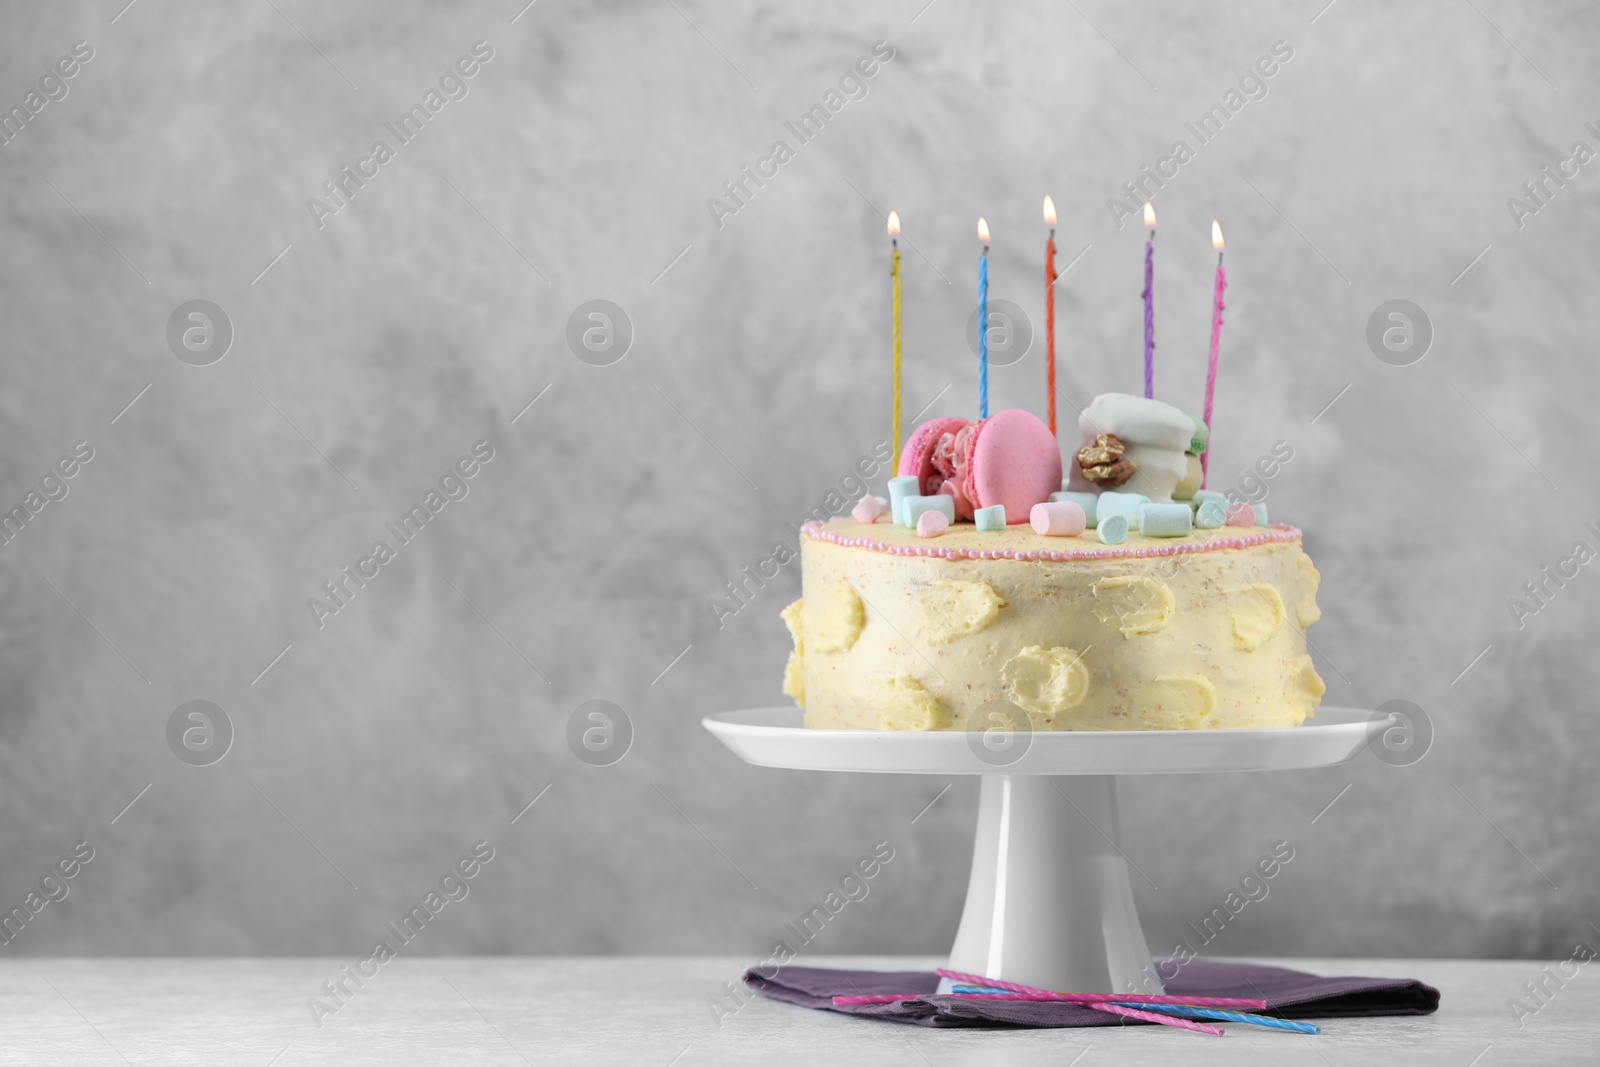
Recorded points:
(1048, 901)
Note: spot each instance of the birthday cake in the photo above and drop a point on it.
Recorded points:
(1123, 598)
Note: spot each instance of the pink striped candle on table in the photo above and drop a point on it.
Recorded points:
(1101, 998)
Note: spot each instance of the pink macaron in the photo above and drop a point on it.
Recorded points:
(916, 459)
(1010, 459)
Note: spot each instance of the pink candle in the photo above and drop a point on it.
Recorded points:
(1048, 994)
(1216, 336)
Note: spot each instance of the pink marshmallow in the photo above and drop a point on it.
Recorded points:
(1058, 518)
(869, 509)
(1241, 514)
(932, 524)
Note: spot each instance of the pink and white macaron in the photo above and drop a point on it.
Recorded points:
(1010, 459)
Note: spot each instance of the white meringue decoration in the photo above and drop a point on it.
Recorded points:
(1155, 436)
(1156, 471)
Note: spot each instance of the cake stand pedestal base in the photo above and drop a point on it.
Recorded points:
(1048, 900)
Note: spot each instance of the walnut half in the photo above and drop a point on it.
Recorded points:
(1102, 462)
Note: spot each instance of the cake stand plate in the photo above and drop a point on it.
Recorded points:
(1049, 902)
(777, 737)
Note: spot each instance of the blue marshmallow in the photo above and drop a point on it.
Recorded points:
(1112, 529)
(1203, 495)
(992, 517)
(899, 489)
(1211, 515)
(1261, 514)
(1125, 504)
(1089, 502)
(914, 507)
(1165, 520)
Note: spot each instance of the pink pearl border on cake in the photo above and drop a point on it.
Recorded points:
(1279, 532)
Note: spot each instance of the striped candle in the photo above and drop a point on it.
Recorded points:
(1163, 1020)
(1084, 998)
(894, 272)
(1216, 338)
(1234, 1017)
(1101, 1006)
(1149, 296)
(1050, 314)
(1166, 1009)
(983, 321)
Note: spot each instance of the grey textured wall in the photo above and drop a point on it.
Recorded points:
(426, 314)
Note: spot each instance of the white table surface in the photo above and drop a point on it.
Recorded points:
(653, 1011)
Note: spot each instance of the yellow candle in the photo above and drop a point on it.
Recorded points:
(894, 272)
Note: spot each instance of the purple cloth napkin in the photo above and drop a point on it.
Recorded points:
(1310, 996)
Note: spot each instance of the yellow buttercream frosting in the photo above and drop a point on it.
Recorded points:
(1046, 681)
(837, 616)
(1306, 610)
(794, 678)
(1181, 701)
(1134, 603)
(901, 703)
(1256, 611)
(1203, 640)
(952, 608)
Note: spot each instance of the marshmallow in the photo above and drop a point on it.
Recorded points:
(869, 509)
(1203, 495)
(917, 506)
(1124, 504)
(990, 518)
(1241, 514)
(1202, 435)
(932, 523)
(1261, 514)
(1112, 529)
(1186, 489)
(1089, 502)
(1165, 520)
(1210, 515)
(1060, 518)
(900, 489)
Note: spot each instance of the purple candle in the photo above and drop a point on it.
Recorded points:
(1149, 304)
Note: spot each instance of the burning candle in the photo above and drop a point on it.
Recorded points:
(1149, 303)
(1050, 311)
(1216, 336)
(894, 272)
(983, 321)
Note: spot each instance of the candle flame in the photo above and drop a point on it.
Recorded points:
(1216, 235)
(983, 230)
(894, 224)
(1149, 215)
(1049, 211)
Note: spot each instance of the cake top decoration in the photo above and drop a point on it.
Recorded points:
(1136, 445)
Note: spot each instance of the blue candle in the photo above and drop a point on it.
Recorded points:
(983, 321)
